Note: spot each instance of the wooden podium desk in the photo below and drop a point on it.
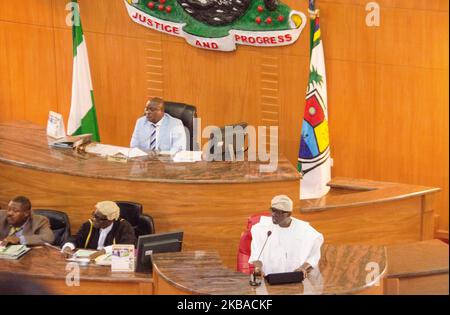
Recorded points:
(210, 201)
(358, 211)
(343, 269)
(418, 268)
(47, 267)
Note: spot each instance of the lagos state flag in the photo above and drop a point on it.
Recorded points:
(82, 117)
(314, 152)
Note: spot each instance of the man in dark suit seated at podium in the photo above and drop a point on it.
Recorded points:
(18, 225)
(284, 244)
(103, 230)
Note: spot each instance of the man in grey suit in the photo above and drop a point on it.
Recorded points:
(157, 130)
(18, 225)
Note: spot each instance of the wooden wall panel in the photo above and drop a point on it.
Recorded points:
(223, 86)
(64, 61)
(435, 5)
(395, 73)
(413, 145)
(351, 108)
(27, 72)
(154, 67)
(293, 82)
(119, 82)
(27, 12)
(101, 16)
(345, 34)
(412, 38)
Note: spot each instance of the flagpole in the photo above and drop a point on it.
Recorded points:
(314, 152)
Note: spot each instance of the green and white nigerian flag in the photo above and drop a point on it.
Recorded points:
(82, 117)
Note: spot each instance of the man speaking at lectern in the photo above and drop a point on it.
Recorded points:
(158, 131)
(284, 244)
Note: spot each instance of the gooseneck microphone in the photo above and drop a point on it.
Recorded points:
(253, 282)
(267, 238)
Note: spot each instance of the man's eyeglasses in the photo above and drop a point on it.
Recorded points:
(276, 211)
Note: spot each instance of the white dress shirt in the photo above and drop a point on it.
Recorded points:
(101, 240)
(103, 233)
(170, 134)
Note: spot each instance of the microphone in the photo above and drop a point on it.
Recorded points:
(267, 238)
(253, 282)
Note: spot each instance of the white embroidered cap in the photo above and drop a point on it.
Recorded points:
(283, 203)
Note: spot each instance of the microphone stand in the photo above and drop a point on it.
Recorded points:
(255, 281)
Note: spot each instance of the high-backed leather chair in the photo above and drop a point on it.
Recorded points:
(59, 223)
(244, 251)
(186, 113)
(143, 224)
(219, 151)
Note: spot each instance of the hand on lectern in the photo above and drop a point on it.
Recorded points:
(305, 268)
(67, 252)
(255, 278)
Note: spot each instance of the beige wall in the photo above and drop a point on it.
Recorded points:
(387, 86)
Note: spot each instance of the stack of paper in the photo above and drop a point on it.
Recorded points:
(110, 150)
(82, 256)
(84, 253)
(13, 251)
(103, 260)
(188, 156)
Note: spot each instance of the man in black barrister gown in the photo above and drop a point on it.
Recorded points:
(104, 229)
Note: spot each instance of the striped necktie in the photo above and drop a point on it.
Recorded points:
(153, 138)
(14, 230)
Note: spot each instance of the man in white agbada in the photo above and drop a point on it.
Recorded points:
(293, 245)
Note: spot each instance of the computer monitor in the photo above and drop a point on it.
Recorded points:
(156, 243)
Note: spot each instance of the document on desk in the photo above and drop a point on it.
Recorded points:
(110, 150)
(13, 251)
(187, 156)
(84, 253)
(104, 260)
(82, 256)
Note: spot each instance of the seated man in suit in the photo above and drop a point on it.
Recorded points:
(104, 229)
(18, 225)
(158, 130)
(290, 244)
